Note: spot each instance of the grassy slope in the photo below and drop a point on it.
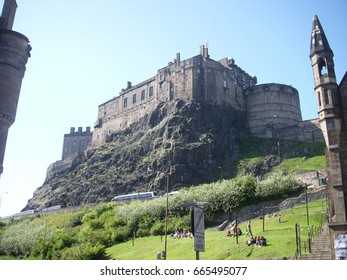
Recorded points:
(294, 156)
(280, 237)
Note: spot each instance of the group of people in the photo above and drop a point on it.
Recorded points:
(257, 240)
(181, 233)
(233, 231)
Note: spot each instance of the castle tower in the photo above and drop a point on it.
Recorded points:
(331, 110)
(14, 54)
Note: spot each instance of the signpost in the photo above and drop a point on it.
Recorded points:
(198, 230)
(197, 222)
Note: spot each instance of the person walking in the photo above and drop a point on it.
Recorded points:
(249, 230)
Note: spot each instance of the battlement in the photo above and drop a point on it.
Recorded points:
(79, 132)
(76, 141)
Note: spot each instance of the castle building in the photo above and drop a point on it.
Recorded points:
(268, 107)
(14, 54)
(271, 110)
(198, 78)
(332, 111)
(76, 141)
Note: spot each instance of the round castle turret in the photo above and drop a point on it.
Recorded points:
(271, 106)
(14, 54)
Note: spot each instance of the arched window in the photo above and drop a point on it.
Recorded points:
(322, 66)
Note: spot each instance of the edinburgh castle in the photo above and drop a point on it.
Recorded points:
(271, 110)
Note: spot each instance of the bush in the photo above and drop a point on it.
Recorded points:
(120, 234)
(85, 251)
(76, 219)
(278, 185)
(142, 232)
(158, 228)
(20, 238)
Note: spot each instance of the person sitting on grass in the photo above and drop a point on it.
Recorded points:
(251, 241)
(260, 241)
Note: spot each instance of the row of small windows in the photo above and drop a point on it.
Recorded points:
(142, 96)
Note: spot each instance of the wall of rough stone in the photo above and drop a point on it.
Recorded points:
(307, 131)
(271, 106)
(343, 140)
(76, 141)
(14, 54)
(196, 78)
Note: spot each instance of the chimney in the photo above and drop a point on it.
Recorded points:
(178, 59)
(204, 51)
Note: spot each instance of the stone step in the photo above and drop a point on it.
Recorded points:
(320, 248)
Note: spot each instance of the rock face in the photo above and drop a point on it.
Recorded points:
(192, 141)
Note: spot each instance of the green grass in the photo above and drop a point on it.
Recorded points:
(280, 238)
(294, 164)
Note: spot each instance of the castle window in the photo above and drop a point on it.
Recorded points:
(150, 91)
(322, 67)
(326, 97)
(125, 102)
(143, 93)
(319, 99)
(134, 98)
(332, 97)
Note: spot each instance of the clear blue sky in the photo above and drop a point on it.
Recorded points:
(85, 51)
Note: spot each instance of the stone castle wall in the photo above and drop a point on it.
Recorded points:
(270, 107)
(198, 78)
(76, 141)
(307, 131)
(272, 110)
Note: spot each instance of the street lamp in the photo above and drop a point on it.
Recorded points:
(221, 173)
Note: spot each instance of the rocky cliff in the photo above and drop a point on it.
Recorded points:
(193, 142)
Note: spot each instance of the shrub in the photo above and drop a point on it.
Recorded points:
(277, 185)
(142, 232)
(85, 251)
(158, 228)
(76, 219)
(120, 234)
(19, 239)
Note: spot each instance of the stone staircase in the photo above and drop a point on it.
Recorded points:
(320, 247)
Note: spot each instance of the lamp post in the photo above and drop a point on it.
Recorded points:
(279, 154)
(308, 223)
(166, 213)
